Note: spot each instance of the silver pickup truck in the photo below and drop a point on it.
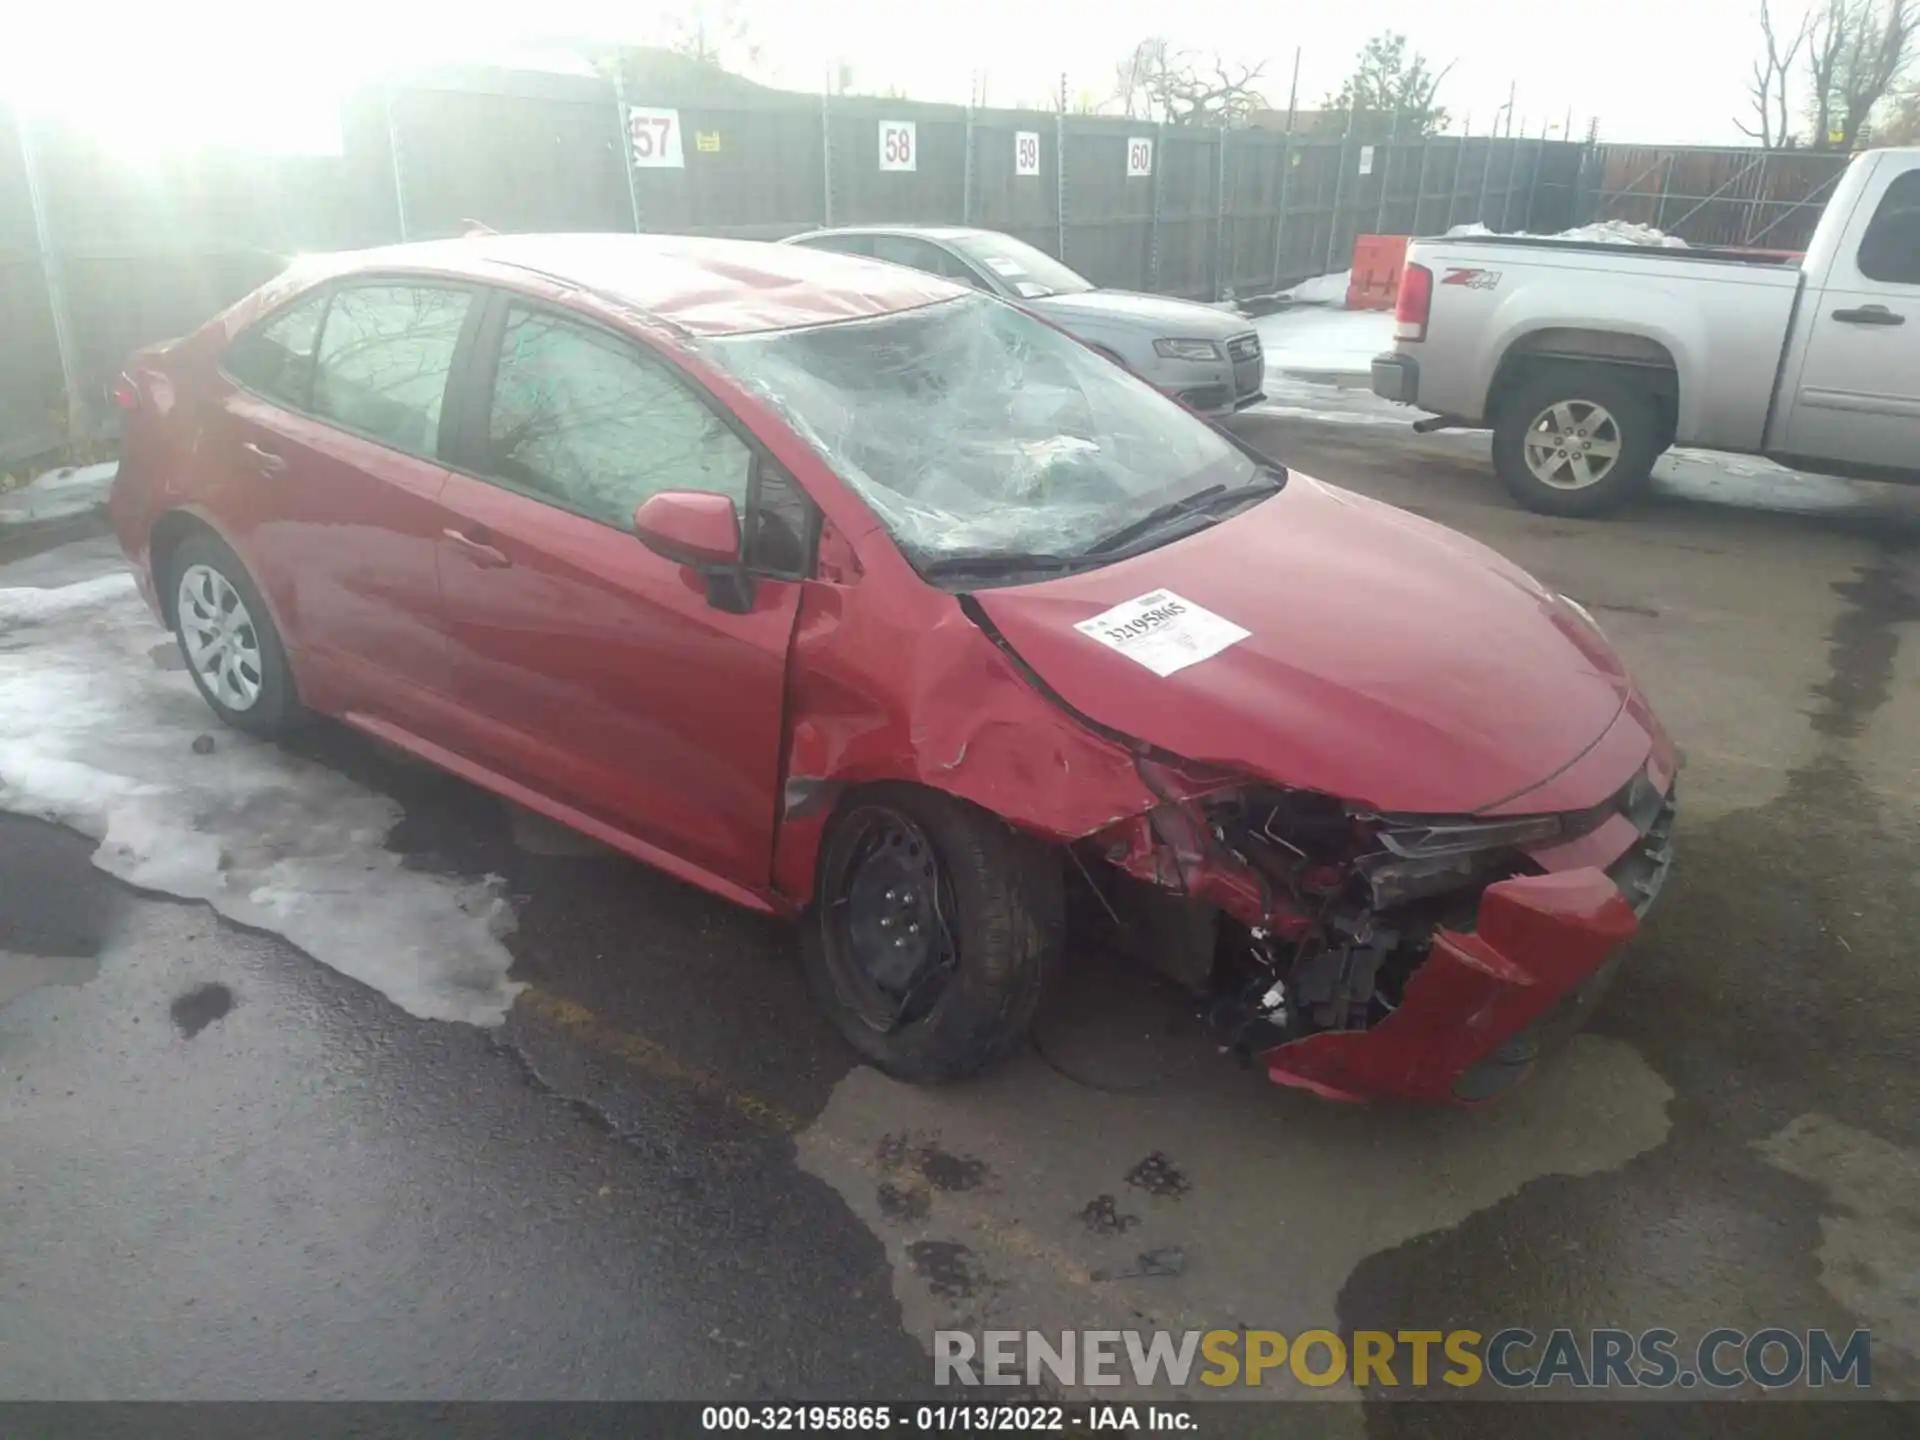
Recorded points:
(1588, 360)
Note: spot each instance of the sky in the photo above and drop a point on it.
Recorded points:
(1647, 71)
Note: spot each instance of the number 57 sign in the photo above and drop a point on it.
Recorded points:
(654, 136)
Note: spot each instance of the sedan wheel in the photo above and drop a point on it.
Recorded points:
(935, 929)
(227, 638)
(217, 632)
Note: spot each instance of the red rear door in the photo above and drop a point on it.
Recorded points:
(332, 487)
(591, 669)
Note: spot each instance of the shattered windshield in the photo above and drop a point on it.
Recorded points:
(1033, 274)
(974, 430)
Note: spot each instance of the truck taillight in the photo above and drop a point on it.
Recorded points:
(1416, 299)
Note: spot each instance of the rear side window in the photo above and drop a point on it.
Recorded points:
(1890, 250)
(275, 357)
(385, 354)
(584, 420)
(924, 255)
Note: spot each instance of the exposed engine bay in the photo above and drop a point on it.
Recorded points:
(1296, 914)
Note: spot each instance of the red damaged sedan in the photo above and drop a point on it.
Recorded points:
(852, 595)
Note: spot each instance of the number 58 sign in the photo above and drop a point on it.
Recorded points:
(897, 145)
(654, 137)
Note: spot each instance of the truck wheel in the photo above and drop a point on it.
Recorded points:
(1577, 439)
(935, 930)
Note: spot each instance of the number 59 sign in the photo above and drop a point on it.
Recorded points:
(654, 137)
(897, 145)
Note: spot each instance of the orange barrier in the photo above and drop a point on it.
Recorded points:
(1377, 263)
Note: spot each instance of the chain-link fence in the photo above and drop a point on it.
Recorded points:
(99, 255)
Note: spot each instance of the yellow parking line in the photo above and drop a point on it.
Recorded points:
(655, 1059)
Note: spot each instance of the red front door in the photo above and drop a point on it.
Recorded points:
(588, 668)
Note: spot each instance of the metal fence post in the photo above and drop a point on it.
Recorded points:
(966, 177)
(79, 413)
(1533, 180)
(1513, 164)
(399, 167)
(1386, 174)
(1459, 164)
(626, 149)
(1339, 183)
(1060, 171)
(1220, 220)
(1420, 184)
(1753, 205)
(1280, 211)
(1486, 173)
(1158, 190)
(826, 162)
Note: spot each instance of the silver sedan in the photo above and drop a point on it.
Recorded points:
(1209, 359)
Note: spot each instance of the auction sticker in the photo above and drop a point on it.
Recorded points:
(1162, 631)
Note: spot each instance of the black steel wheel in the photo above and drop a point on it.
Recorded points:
(934, 931)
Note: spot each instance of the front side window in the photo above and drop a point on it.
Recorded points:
(385, 354)
(275, 357)
(1890, 250)
(974, 430)
(582, 419)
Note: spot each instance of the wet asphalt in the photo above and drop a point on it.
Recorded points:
(226, 1171)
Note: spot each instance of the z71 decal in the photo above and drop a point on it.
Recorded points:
(1472, 279)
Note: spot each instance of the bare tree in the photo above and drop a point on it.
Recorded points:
(1771, 75)
(1857, 52)
(1902, 125)
(1157, 82)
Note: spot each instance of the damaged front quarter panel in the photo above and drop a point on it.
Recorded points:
(1350, 979)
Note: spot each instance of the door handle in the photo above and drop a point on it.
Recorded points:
(487, 557)
(1869, 315)
(265, 461)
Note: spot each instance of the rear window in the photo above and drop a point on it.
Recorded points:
(385, 354)
(275, 357)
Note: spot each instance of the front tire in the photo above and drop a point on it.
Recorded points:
(228, 639)
(935, 931)
(1577, 439)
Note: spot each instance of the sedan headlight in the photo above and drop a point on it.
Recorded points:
(1186, 349)
(1419, 858)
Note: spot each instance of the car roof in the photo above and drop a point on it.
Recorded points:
(702, 286)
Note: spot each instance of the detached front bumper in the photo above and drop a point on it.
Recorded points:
(1487, 1004)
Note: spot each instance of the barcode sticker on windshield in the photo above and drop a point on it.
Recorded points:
(1162, 632)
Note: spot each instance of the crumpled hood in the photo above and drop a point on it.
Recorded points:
(1183, 319)
(1387, 660)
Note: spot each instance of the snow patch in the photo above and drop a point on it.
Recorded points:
(57, 494)
(1321, 341)
(1601, 232)
(96, 736)
(1321, 290)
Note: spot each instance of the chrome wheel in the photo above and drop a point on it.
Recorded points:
(219, 637)
(1572, 444)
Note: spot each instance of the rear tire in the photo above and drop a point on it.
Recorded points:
(1557, 430)
(228, 639)
(996, 924)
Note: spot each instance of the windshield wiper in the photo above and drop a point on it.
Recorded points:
(997, 562)
(1209, 498)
